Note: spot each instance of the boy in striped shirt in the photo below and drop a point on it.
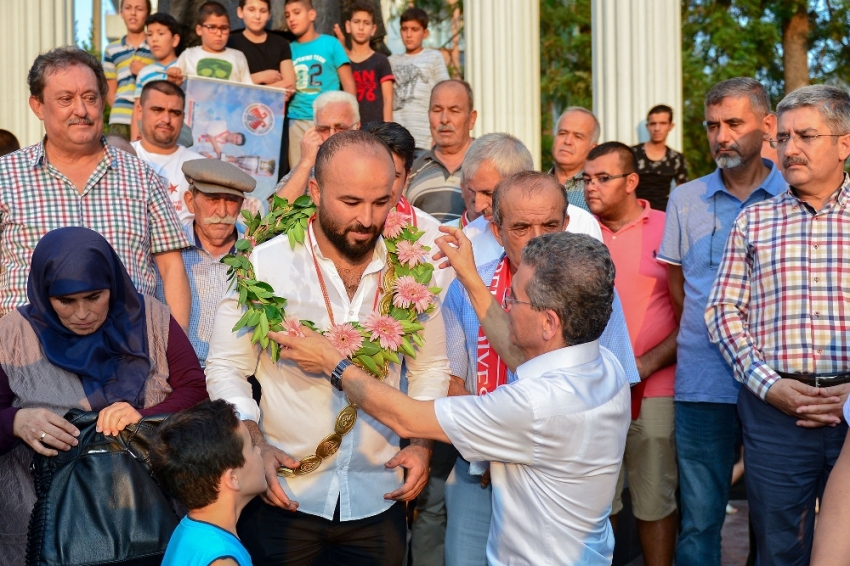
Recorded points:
(122, 61)
(163, 38)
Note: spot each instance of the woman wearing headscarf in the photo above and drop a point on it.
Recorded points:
(86, 340)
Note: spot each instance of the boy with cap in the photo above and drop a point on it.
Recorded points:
(216, 192)
(205, 457)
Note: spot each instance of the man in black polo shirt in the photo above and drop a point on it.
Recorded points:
(658, 165)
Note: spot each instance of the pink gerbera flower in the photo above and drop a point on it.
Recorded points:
(410, 254)
(292, 326)
(394, 225)
(410, 292)
(385, 329)
(345, 338)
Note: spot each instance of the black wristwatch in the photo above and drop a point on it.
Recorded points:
(336, 374)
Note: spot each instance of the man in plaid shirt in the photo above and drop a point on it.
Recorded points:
(780, 314)
(74, 178)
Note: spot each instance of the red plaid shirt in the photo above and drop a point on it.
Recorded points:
(781, 299)
(123, 200)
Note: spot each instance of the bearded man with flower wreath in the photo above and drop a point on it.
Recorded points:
(356, 275)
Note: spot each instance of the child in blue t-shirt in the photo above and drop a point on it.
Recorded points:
(205, 457)
(320, 65)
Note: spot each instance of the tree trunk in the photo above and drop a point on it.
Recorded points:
(795, 47)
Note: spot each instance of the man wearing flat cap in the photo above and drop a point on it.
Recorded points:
(216, 192)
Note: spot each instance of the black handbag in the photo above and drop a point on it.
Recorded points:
(98, 503)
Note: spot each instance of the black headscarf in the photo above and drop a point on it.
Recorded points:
(112, 362)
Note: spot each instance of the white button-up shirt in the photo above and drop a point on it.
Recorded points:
(298, 410)
(555, 440)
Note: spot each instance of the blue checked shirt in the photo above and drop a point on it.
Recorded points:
(208, 284)
(462, 334)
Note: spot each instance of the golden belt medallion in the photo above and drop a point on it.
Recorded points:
(329, 445)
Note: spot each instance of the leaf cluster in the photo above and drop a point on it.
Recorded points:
(265, 311)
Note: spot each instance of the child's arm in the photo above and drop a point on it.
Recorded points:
(111, 74)
(267, 77)
(387, 92)
(346, 79)
(441, 72)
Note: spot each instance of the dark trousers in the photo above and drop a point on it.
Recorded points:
(786, 470)
(275, 536)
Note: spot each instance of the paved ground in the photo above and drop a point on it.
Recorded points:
(736, 538)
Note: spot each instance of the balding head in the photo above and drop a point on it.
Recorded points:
(451, 115)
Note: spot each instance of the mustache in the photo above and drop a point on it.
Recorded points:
(86, 121)
(731, 147)
(220, 220)
(446, 128)
(788, 161)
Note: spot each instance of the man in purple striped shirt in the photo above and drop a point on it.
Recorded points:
(779, 312)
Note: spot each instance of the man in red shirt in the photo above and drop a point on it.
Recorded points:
(633, 232)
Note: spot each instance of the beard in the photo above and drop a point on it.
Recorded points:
(165, 138)
(338, 237)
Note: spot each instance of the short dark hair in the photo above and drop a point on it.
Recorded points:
(58, 59)
(398, 139)
(8, 142)
(193, 448)
(417, 15)
(573, 276)
(660, 109)
(528, 181)
(364, 141)
(165, 87)
(740, 87)
(307, 3)
(466, 86)
(628, 160)
(165, 19)
(268, 3)
(147, 4)
(362, 6)
(210, 9)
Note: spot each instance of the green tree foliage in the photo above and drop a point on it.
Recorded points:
(565, 63)
(729, 38)
(720, 39)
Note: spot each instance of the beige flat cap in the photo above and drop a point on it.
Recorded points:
(216, 176)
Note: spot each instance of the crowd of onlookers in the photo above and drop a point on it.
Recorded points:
(710, 327)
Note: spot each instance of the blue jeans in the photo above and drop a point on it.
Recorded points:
(705, 444)
(468, 508)
(787, 469)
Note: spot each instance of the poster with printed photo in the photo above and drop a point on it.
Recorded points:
(241, 124)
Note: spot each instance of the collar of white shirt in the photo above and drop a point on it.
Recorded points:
(570, 356)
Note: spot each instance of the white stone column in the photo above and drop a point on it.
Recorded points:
(27, 29)
(637, 63)
(503, 66)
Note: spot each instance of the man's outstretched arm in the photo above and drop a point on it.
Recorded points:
(407, 417)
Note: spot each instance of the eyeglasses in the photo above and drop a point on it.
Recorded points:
(212, 28)
(800, 140)
(333, 129)
(509, 300)
(599, 179)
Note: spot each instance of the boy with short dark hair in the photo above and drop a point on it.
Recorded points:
(163, 38)
(122, 61)
(416, 72)
(659, 166)
(373, 74)
(320, 65)
(204, 456)
(212, 59)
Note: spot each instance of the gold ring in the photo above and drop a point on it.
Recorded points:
(41, 438)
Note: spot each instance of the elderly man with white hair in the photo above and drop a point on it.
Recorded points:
(333, 112)
(576, 133)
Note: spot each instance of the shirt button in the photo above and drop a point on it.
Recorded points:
(817, 279)
(820, 351)
(817, 313)
(816, 246)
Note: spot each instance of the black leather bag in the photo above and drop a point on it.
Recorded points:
(98, 503)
